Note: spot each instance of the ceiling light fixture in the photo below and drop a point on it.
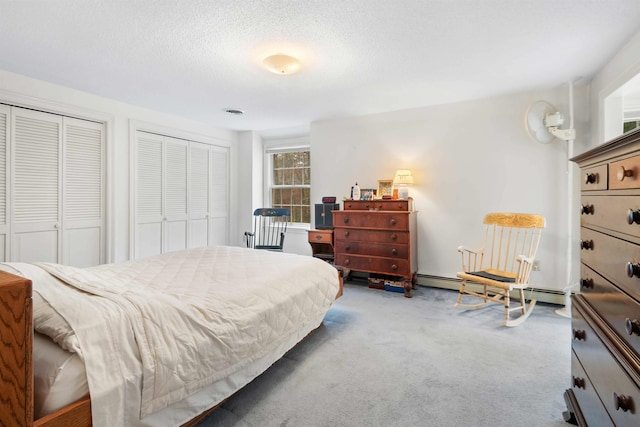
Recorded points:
(234, 111)
(282, 64)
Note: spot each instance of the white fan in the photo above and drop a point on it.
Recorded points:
(543, 120)
(534, 121)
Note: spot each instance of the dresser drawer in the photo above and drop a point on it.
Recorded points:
(619, 310)
(375, 249)
(319, 236)
(391, 266)
(611, 212)
(594, 178)
(372, 220)
(612, 384)
(624, 173)
(373, 236)
(379, 205)
(611, 257)
(590, 404)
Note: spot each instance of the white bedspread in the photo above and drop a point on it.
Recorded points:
(153, 331)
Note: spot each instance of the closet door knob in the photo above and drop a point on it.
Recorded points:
(586, 283)
(633, 216)
(586, 209)
(623, 173)
(623, 402)
(586, 244)
(633, 269)
(579, 334)
(632, 326)
(590, 178)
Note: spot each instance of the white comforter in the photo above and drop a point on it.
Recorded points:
(155, 330)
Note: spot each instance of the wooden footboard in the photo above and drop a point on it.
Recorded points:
(16, 333)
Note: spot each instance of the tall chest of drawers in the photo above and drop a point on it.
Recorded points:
(605, 364)
(378, 236)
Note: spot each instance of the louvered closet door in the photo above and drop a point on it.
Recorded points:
(4, 179)
(83, 190)
(175, 208)
(148, 195)
(219, 202)
(35, 196)
(199, 194)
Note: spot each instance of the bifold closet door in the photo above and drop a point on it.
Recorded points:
(199, 194)
(175, 206)
(83, 210)
(149, 195)
(36, 186)
(219, 217)
(5, 120)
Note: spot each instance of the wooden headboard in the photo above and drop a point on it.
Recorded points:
(16, 335)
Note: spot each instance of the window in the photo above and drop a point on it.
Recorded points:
(290, 182)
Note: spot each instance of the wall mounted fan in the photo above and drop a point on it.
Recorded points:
(543, 122)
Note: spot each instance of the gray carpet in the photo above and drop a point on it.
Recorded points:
(383, 360)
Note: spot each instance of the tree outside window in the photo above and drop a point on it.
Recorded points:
(291, 184)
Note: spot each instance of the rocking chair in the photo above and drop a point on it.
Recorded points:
(269, 228)
(503, 264)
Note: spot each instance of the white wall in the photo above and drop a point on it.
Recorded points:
(120, 118)
(467, 159)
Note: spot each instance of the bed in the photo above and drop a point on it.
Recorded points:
(159, 341)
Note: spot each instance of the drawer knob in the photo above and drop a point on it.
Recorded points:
(393, 221)
(623, 402)
(632, 326)
(633, 216)
(623, 173)
(346, 234)
(346, 220)
(394, 236)
(633, 269)
(578, 382)
(347, 262)
(394, 251)
(586, 283)
(579, 334)
(394, 267)
(586, 209)
(586, 244)
(590, 178)
(347, 248)
(318, 237)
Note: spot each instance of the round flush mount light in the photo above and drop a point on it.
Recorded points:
(282, 64)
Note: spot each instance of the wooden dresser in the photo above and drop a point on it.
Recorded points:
(605, 365)
(378, 236)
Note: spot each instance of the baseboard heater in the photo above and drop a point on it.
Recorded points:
(549, 296)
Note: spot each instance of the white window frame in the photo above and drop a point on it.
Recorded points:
(282, 146)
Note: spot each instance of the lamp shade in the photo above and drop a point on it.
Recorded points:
(403, 177)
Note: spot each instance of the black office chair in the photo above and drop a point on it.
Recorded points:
(269, 228)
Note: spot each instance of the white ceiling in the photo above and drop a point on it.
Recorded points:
(196, 58)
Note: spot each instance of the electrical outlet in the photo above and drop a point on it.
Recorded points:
(536, 265)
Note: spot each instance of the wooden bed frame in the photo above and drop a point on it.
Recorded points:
(16, 375)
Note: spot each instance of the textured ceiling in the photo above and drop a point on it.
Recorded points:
(196, 58)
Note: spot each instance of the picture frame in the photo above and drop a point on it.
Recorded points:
(385, 188)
